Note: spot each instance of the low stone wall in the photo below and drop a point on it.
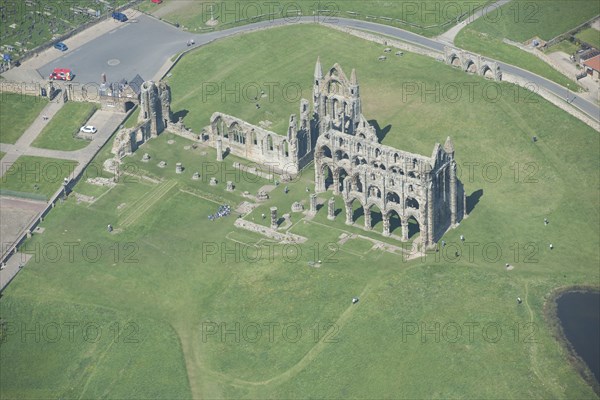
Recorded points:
(252, 170)
(387, 41)
(24, 88)
(552, 98)
(506, 77)
(34, 52)
(268, 232)
(544, 58)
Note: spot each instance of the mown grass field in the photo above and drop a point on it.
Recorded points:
(37, 175)
(590, 36)
(17, 112)
(60, 132)
(182, 282)
(519, 21)
(131, 121)
(564, 46)
(429, 18)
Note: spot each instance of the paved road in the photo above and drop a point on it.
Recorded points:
(105, 121)
(145, 46)
(587, 107)
(132, 48)
(451, 33)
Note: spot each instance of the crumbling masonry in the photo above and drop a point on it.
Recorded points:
(348, 157)
(350, 160)
(155, 114)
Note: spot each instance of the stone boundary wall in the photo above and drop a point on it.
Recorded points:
(542, 57)
(571, 32)
(388, 41)
(23, 88)
(506, 77)
(35, 221)
(33, 52)
(252, 170)
(552, 98)
(268, 232)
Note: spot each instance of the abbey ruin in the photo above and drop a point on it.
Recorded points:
(348, 157)
(361, 169)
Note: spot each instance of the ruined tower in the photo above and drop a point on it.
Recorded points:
(400, 185)
(155, 105)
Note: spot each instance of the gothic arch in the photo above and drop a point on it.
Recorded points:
(357, 184)
(392, 197)
(341, 174)
(327, 175)
(324, 151)
(454, 60)
(285, 148)
(395, 221)
(376, 215)
(486, 71)
(374, 192)
(470, 66)
(411, 202)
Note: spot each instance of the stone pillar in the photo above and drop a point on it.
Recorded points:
(367, 218)
(319, 181)
(331, 209)
(219, 150)
(465, 214)
(429, 235)
(273, 217)
(349, 212)
(336, 182)
(313, 203)
(386, 225)
(404, 230)
(453, 193)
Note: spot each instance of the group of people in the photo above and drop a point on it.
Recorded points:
(223, 211)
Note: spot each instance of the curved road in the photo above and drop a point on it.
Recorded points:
(143, 48)
(587, 107)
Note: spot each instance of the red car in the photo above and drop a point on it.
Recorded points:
(156, 1)
(61, 74)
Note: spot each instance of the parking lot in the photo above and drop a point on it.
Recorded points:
(138, 46)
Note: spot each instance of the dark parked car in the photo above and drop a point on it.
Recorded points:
(61, 46)
(119, 16)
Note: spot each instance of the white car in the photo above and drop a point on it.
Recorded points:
(88, 129)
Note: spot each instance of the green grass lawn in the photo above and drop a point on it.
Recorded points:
(428, 17)
(175, 284)
(60, 132)
(521, 20)
(564, 46)
(36, 175)
(17, 112)
(485, 44)
(590, 36)
(132, 120)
